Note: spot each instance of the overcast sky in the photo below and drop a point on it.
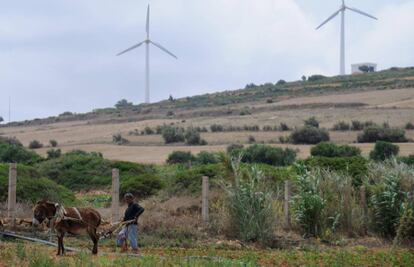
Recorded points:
(59, 55)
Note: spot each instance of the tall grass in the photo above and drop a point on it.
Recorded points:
(249, 203)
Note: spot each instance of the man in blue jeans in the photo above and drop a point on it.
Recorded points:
(130, 230)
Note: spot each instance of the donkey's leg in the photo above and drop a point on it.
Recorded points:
(60, 242)
(94, 236)
(63, 247)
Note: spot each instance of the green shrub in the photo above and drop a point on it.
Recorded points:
(11, 150)
(341, 126)
(205, 157)
(251, 139)
(172, 134)
(249, 204)
(216, 128)
(373, 134)
(53, 143)
(357, 126)
(356, 167)
(181, 157)
(312, 122)
(53, 153)
(409, 126)
(309, 135)
(328, 149)
(316, 77)
(409, 160)
(384, 150)
(35, 144)
(119, 140)
(192, 137)
(405, 230)
(32, 187)
(284, 127)
(234, 149)
(141, 186)
(149, 131)
(269, 155)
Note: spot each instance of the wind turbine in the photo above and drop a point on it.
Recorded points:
(147, 43)
(342, 10)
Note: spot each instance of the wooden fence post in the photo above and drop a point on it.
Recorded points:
(115, 195)
(286, 205)
(204, 207)
(11, 204)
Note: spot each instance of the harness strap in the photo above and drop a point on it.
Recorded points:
(78, 213)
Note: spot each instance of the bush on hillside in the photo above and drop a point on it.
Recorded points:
(357, 126)
(234, 149)
(309, 135)
(409, 126)
(384, 150)
(192, 137)
(53, 143)
(216, 128)
(312, 122)
(409, 160)
(316, 77)
(54, 153)
(11, 150)
(35, 144)
(341, 126)
(181, 157)
(119, 140)
(373, 134)
(284, 127)
(269, 155)
(281, 82)
(329, 149)
(205, 157)
(172, 134)
(141, 186)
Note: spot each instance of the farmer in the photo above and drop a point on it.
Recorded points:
(130, 229)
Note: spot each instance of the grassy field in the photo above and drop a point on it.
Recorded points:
(25, 254)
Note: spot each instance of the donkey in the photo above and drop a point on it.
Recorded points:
(75, 221)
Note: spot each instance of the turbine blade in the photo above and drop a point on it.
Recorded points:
(362, 13)
(328, 19)
(164, 49)
(131, 48)
(148, 20)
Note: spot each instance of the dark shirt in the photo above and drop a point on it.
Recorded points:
(133, 212)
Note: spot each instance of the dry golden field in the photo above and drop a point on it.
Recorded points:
(393, 106)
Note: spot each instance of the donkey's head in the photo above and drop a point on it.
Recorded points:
(42, 211)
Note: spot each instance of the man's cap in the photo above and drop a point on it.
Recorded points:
(128, 195)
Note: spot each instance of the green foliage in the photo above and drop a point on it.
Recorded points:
(341, 126)
(309, 135)
(405, 230)
(205, 157)
(281, 82)
(356, 167)
(249, 204)
(216, 128)
(307, 205)
(53, 143)
(375, 133)
(409, 126)
(123, 103)
(409, 160)
(192, 137)
(181, 157)
(357, 126)
(172, 134)
(234, 149)
(35, 144)
(275, 156)
(384, 150)
(32, 187)
(316, 77)
(251, 139)
(54, 153)
(119, 139)
(329, 149)
(284, 127)
(388, 184)
(11, 150)
(312, 122)
(141, 186)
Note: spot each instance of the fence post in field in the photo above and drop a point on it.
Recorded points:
(11, 204)
(286, 205)
(115, 196)
(204, 204)
(363, 197)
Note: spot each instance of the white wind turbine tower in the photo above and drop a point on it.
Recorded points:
(342, 10)
(147, 43)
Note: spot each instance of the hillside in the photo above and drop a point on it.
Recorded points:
(386, 96)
